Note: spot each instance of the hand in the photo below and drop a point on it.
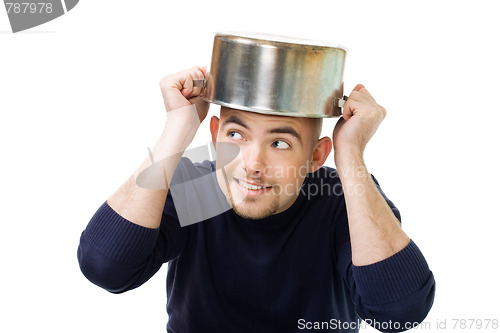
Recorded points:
(178, 91)
(360, 120)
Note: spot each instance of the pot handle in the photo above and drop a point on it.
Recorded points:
(200, 83)
(340, 102)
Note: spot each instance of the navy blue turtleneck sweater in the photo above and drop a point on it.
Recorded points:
(289, 272)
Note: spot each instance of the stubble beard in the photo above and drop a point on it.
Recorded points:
(253, 213)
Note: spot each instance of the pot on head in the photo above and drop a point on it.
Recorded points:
(276, 75)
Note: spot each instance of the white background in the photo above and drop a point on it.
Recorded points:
(80, 104)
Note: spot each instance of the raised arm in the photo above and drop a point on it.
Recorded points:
(132, 235)
(185, 111)
(375, 231)
(389, 277)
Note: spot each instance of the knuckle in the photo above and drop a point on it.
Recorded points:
(383, 111)
(163, 85)
(165, 80)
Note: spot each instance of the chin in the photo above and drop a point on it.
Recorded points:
(252, 208)
(253, 213)
(249, 205)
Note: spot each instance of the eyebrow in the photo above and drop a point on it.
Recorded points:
(278, 130)
(286, 130)
(234, 120)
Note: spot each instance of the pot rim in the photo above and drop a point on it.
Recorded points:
(272, 40)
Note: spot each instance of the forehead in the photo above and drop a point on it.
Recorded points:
(254, 119)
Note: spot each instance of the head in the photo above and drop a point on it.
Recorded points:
(275, 155)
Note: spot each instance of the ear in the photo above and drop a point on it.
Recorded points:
(214, 129)
(320, 153)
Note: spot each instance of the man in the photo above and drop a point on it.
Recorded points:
(304, 247)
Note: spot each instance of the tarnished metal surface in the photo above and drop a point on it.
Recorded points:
(274, 75)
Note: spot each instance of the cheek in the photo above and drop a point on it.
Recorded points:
(228, 155)
(288, 173)
(229, 169)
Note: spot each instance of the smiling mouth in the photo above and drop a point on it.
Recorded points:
(249, 186)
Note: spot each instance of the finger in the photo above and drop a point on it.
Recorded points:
(187, 86)
(365, 91)
(348, 110)
(362, 90)
(197, 74)
(358, 87)
(188, 89)
(354, 105)
(174, 81)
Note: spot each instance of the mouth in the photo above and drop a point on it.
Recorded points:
(251, 188)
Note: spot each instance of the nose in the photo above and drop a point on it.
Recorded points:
(253, 161)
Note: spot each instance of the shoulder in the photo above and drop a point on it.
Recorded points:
(324, 173)
(323, 183)
(187, 170)
(205, 167)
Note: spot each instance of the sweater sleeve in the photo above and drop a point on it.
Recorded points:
(392, 295)
(119, 255)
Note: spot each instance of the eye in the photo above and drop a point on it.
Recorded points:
(235, 135)
(280, 144)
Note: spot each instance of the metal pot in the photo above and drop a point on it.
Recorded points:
(276, 75)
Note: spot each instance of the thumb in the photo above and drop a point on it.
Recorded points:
(361, 88)
(358, 87)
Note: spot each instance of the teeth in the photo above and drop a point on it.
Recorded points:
(249, 186)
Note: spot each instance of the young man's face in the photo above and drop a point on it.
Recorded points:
(275, 154)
